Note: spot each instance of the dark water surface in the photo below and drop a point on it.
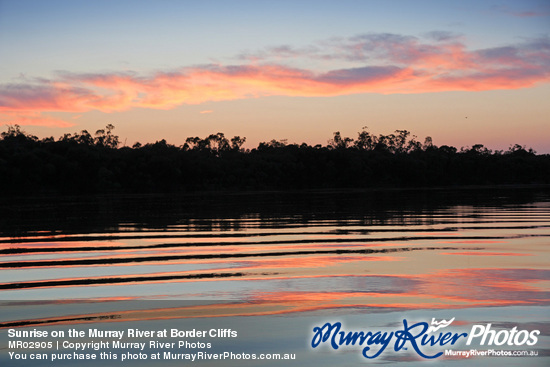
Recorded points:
(283, 254)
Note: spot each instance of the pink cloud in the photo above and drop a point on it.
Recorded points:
(380, 63)
(32, 118)
(541, 11)
(530, 14)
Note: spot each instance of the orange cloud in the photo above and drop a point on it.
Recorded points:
(381, 63)
(33, 118)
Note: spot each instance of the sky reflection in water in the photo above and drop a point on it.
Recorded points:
(288, 254)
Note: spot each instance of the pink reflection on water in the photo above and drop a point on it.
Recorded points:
(437, 234)
(480, 253)
(498, 287)
(311, 261)
(472, 242)
(445, 289)
(52, 245)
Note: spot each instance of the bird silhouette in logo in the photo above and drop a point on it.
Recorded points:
(436, 325)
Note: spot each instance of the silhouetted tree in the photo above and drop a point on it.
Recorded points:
(82, 163)
(365, 140)
(105, 137)
(237, 142)
(338, 141)
(15, 133)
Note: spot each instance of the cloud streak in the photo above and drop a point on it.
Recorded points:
(541, 11)
(370, 63)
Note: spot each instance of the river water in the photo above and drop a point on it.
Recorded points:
(479, 255)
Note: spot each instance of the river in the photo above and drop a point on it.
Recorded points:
(479, 255)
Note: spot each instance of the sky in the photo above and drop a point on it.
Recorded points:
(463, 72)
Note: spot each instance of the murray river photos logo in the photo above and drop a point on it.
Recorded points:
(425, 339)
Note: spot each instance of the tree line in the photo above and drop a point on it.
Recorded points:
(85, 163)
